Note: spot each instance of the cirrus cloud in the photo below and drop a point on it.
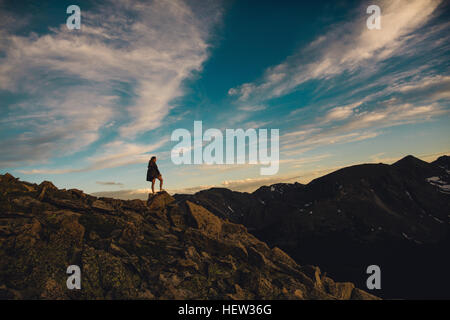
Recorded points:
(124, 67)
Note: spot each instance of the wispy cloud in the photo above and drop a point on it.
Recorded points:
(65, 125)
(294, 147)
(109, 183)
(350, 60)
(112, 155)
(341, 112)
(359, 125)
(76, 78)
(345, 48)
(251, 108)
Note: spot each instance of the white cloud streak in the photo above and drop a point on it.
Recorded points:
(75, 78)
(346, 48)
(112, 155)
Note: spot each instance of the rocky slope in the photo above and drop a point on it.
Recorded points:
(396, 216)
(138, 250)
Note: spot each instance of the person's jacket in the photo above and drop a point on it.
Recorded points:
(153, 169)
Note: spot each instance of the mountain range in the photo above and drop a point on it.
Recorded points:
(394, 216)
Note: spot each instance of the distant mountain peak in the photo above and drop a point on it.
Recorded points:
(409, 159)
(443, 162)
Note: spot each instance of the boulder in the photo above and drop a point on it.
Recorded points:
(159, 200)
(102, 206)
(204, 220)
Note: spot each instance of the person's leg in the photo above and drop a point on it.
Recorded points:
(153, 185)
(160, 182)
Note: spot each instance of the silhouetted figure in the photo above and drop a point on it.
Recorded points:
(153, 173)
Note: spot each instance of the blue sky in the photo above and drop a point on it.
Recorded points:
(87, 108)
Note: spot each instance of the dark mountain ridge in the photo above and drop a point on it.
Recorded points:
(396, 216)
(443, 162)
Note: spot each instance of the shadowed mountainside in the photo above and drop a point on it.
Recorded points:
(395, 216)
(140, 250)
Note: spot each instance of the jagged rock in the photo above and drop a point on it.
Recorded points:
(47, 185)
(239, 293)
(102, 206)
(191, 252)
(43, 187)
(67, 203)
(257, 258)
(26, 202)
(159, 200)
(280, 255)
(358, 294)
(8, 178)
(79, 193)
(153, 250)
(299, 294)
(204, 220)
(9, 294)
(187, 263)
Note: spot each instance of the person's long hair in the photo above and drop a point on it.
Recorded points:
(153, 159)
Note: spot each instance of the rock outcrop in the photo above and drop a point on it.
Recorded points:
(137, 250)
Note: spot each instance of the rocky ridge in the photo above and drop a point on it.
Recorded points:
(132, 249)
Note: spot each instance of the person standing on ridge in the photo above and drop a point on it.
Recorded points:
(153, 173)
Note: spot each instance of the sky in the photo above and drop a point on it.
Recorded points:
(87, 108)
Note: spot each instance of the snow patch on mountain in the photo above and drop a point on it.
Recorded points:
(442, 185)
